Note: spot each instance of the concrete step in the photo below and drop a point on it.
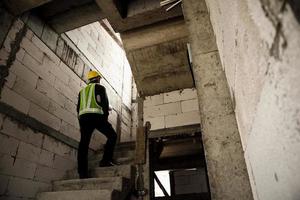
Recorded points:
(117, 155)
(126, 171)
(125, 146)
(123, 161)
(80, 195)
(116, 183)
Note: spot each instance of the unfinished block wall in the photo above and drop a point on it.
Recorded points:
(172, 109)
(30, 160)
(259, 46)
(110, 59)
(42, 73)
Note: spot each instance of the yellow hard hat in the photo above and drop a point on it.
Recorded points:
(93, 74)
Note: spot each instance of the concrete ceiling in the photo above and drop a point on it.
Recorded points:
(158, 57)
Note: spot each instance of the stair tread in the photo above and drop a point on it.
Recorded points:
(118, 183)
(117, 154)
(103, 194)
(113, 168)
(123, 160)
(120, 170)
(126, 171)
(87, 180)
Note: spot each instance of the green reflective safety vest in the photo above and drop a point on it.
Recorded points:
(88, 103)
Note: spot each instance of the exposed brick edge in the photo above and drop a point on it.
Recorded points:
(36, 125)
(15, 46)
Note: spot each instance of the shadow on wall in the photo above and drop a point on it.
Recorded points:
(295, 5)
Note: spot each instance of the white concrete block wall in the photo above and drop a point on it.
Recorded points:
(30, 160)
(127, 84)
(38, 86)
(103, 52)
(43, 87)
(172, 109)
(110, 59)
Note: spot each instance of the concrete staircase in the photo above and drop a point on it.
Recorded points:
(107, 183)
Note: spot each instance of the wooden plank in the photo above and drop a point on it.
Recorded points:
(140, 135)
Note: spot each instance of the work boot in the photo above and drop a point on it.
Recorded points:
(84, 176)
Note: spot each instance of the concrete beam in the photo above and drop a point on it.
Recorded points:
(76, 17)
(158, 68)
(187, 130)
(151, 35)
(19, 6)
(158, 56)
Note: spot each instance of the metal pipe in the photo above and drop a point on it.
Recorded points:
(166, 2)
(172, 6)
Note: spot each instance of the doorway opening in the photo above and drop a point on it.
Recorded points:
(177, 165)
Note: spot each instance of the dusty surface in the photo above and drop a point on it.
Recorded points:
(226, 166)
(262, 70)
(158, 57)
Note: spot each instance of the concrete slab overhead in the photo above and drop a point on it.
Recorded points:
(158, 57)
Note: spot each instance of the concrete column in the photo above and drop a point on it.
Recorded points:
(228, 176)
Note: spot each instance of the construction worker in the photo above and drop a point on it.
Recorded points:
(93, 111)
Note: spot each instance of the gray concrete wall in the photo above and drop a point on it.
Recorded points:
(259, 46)
(39, 130)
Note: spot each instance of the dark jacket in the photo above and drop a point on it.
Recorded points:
(99, 90)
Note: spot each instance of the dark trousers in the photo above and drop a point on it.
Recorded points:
(88, 123)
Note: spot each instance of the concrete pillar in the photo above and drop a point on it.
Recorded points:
(228, 176)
